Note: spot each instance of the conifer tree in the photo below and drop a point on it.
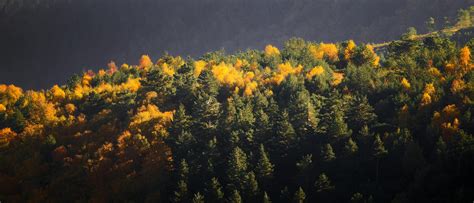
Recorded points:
(264, 167)
(378, 152)
(303, 114)
(214, 192)
(251, 186)
(237, 168)
(198, 198)
(181, 193)
(299, 196)
(323, 184)
(327, 153)
(266, 198)
(360, 113)
(440, 148)
(284, 135)
(235, 198)
(350, 147)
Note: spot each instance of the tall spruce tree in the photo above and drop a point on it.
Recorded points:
(237, 168)
(264, 167)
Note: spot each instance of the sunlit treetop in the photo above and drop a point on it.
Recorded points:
(349, 50)
(145, 62)
(324, 50)
(58, 93)
(270, 51)
(316, 71)
(199, 66)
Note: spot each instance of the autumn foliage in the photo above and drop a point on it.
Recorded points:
(301, 119)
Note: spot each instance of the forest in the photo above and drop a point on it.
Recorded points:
(305, 122)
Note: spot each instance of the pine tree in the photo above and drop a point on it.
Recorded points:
(251, 186)
(156, 80)
(327, 153)
(350, 148)
(264, 167)
(441, 148)
(198, 198)
(206, 111)
(360, 113)
(235, 198)
(303, 115)
(305, 164)
(266, 198)
(323, 184)
(181, 193)
(338, 128)
(237, 167)
(284, 136)
(214, 191)
(299, 196)
(263, 126)
(378, 151)
(378, 147)
(180, 139)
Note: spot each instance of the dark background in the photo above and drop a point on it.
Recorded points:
(44, 42)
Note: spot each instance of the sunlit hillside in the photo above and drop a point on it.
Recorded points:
(305, 122)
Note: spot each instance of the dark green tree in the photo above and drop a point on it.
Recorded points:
(235, 198)
(251, 186)
(181, 193)
(214, 191)
(360, 113)
(237, 168)
(323, 184)
(350, 148)
(299, 196)
(285, 136)
(266, 198)
(198, 198)
(379, 151)
(327, 153)
(264, 167)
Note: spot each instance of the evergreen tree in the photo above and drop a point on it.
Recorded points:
(263, 126)
(440, 148)
(327, 153)
(206, 112)
(334, 119)
(198, 198)
(264, 167)
(378, 151)
(215, 193)
(303, 115)
(323, 184)
(360, 113)
(180, 139)
(299, 196)
(378, 147)
(266, 198)
(350, 147)
(284, 136)
(235, 198)
(181, 193)
(237, 168)
(251, 186)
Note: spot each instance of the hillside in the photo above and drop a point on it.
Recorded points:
(304, 122)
